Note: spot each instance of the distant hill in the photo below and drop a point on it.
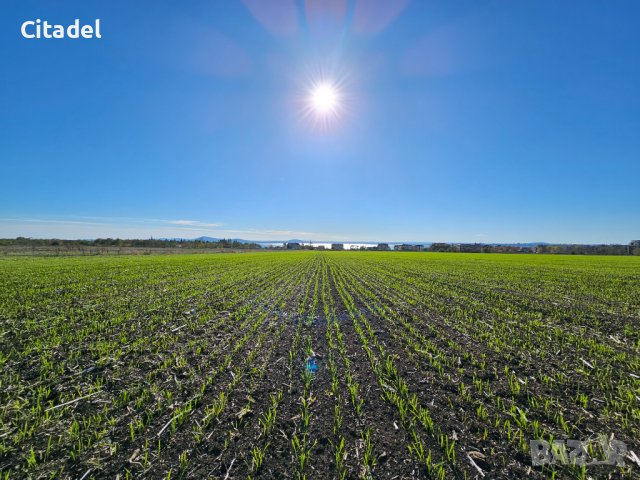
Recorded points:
(242, 240)
(215, 240)
(207, 239)
(297, 240)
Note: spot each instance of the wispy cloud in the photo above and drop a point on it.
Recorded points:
(195, 223)
(124, 227)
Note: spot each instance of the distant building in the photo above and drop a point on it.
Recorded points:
(337, 246)
(409, 248)
(383, 246)
(293, 246)
(470, 247)
(579, 249)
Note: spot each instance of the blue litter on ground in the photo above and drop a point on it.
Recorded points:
(312, 365)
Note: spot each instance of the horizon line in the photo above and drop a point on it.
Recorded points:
(310, 242)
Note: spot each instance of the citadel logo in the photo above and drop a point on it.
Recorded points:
(43, 29)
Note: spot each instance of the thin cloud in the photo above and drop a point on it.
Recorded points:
(48, 220)
(117, 227)
(194, 223)
(79, 220)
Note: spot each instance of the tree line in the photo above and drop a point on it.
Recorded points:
(119, 242)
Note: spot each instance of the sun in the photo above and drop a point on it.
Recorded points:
(325, 99)
(324, 104)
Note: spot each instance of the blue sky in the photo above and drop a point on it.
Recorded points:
(462, 121)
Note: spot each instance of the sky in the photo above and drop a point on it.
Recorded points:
(466, 121)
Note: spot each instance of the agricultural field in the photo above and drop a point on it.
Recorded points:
(317, 365)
